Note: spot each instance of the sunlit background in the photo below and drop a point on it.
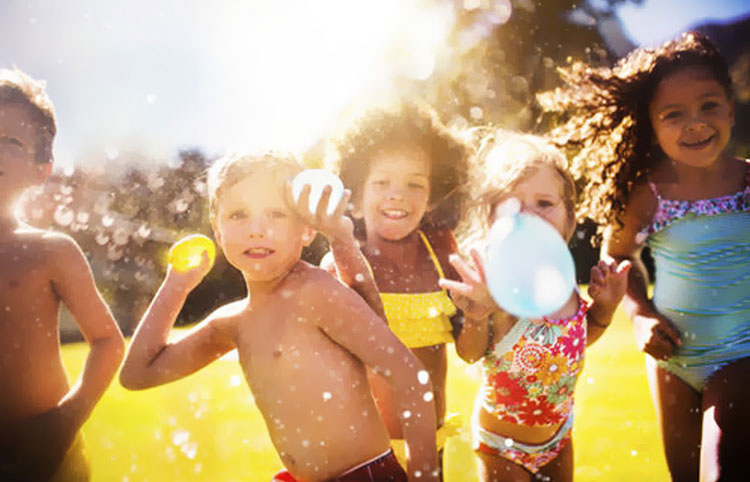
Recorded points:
(151, 76)
(148, 92)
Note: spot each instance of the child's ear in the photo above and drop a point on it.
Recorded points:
(308, 235)
(217, 233)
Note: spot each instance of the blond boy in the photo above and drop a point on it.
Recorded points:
(303, 338)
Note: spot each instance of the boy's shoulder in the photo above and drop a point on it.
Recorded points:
(38, 241)
(312, 284)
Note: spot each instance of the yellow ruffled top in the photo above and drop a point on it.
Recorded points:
(420, 319)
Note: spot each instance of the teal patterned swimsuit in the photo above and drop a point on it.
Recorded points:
(701, 252)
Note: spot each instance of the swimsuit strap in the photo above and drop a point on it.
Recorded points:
(427, 245)
(433, 256)
(653, 189)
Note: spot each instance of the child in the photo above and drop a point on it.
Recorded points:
(303, 338)
(653, 132)
(40, 414)
(404, 169)
(524, 414)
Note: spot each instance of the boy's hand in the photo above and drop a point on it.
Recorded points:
(609, 282)
(334, 226)
(470, 295)
(656, 335)
(192, 277)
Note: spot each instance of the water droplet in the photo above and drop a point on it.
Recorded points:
(359, 278)
(508, 442)
(63, 216)
(107, 220)
(326, 396)
(428, 396)
(423, 377)
(305, 443)
(406, 414)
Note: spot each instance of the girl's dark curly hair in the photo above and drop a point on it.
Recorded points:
(608, 131)
(409, 125)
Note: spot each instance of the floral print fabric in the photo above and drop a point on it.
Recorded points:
(530, 375)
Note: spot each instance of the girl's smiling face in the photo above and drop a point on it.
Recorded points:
(396, 193)
(691, 116)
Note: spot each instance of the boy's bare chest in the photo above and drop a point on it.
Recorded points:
(24, 275)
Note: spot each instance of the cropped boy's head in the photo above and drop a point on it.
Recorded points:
(507, 159)
(19, 90)
(255, 227)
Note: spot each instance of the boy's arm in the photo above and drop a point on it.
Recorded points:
(151, 360)
(345, 260)
(655, 334)
(74, 284)
(366, 336)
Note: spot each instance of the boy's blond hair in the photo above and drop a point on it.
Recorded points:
(504, 159)
(17, 87)
(230, 169)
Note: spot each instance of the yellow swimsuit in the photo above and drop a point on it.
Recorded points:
(422, 319)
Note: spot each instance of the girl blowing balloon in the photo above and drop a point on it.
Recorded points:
(524, 413)
(404, 169)
(652, 133)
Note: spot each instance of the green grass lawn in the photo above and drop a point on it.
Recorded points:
(206, 427)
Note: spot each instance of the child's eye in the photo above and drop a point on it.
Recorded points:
(710, 105)
(380, 182)
(277, 214)
(543, 203)
(672, 115)
(237, 215)
(11, 144)
(416, 185)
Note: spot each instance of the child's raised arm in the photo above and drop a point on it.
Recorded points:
(150, 359)
(365, 335)
(606, 288)
(345, 260)
(472, 297)
(655, 334)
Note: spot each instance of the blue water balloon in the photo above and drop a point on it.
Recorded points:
(530, 271)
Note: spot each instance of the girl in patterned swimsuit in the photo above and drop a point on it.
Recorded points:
(652, 133)
(524, 412)
(404, 169)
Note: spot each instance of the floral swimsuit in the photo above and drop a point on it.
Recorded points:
(528, 379)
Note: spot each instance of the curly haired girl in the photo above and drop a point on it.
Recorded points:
(651, 136)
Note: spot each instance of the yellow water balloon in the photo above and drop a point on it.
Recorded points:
(187, 253)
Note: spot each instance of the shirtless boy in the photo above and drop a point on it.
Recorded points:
(303, 337)
(40, 414)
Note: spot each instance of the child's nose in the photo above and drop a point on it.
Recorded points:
(257, 228)
(396, 192)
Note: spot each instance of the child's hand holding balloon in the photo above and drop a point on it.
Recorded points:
(470, 295)
(191, 258)
(319, 198)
